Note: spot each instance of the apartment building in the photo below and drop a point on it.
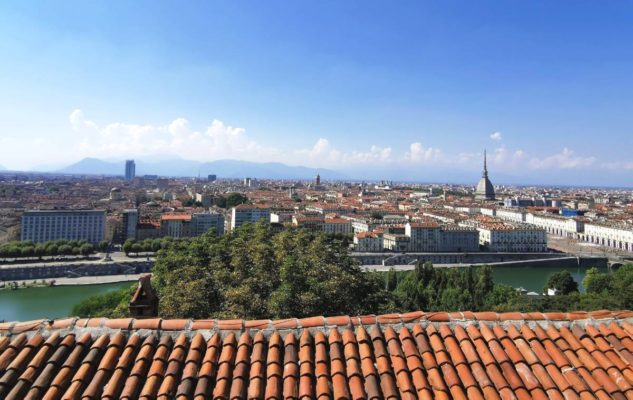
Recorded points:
(616, 237)
(175, 225)
(337, 225)
(368, 242)
(424, 237)
(458, 239)
(202, 222)
(188, 225)
(309, 222)
(511, 215)
(556, 225)
(129, 224)
(44, 225)
(511, 237)
(247, 213)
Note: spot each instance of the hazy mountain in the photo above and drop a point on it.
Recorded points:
(94, 166)
(222, 168)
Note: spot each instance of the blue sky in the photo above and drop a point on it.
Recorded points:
(407, 89)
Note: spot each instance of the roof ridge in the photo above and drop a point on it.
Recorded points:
(316, 322)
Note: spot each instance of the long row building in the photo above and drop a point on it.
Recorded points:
(618, 236)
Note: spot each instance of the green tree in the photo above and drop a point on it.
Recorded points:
(392, 280)
(500, 296)
(563, 282)
(40, 250)
(65, 250)
(86, 249)
(623, 285)
(103, 245)
(52, 249)
(110, 305)
(597, 282)
(156, 245)
(136, 248)
(27, 251)
(235, 199)
(254, 273)
(127, 246)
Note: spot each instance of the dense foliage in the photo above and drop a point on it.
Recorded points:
(253, 273)
(110, 305)
(28, 249)
(145, 246)
(231, 200)
(433, 289)
(459, 289)
(617, 285)
(562, 282)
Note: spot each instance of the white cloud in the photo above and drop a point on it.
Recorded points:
(323, 153)
(507, 158)
(219, 140)
(78, 122)
(618, 165)
(176, 138)
(566, 159)
(420, 154)
(496, 136)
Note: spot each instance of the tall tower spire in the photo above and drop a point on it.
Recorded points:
(485, 190)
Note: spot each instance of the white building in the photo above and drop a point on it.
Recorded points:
(44, 225)
(556, 225)
(617, 237)
(337, 225)
(511, 215)
(501, 237)
(368, 242)
(247, 213)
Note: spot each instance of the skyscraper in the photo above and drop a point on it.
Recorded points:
(485, 190)
(130, 170)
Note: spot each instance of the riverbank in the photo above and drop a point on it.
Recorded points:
(82, 280)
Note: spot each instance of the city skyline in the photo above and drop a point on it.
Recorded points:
(409, 91)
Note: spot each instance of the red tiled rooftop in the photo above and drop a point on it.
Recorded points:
(176, 217)
(460, 355)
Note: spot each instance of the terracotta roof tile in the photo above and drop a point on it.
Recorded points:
(274, 367)
(459, 355)
(208, 369)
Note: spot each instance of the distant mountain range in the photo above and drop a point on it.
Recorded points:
(222, 168)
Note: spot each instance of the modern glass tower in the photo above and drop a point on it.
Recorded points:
(130, 170)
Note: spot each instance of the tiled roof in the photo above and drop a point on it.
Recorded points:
(459, 355)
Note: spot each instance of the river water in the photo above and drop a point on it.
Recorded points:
(48, 302)
(57, 302)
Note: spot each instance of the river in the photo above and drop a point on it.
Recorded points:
(57, 302)
(48, 302)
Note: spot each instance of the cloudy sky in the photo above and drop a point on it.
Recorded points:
(367, 87)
